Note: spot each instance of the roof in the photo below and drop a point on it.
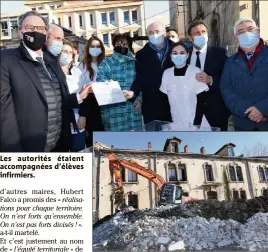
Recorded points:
(93, 5)
(224, 146)
(180, 154)
(170, 139)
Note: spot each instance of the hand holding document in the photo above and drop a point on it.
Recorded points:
(108, 92)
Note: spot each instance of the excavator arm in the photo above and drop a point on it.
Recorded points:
(138, 169)
(115, 170)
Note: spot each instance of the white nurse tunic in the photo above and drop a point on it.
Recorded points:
(182, 95)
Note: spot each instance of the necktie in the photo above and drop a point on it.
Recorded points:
(249, 55)
(198, 62)
(40, 60)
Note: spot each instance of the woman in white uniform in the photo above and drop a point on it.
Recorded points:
(72, 78)
(180, 85)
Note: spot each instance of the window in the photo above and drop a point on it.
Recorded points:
(266, 173)
(40, 8)
(59, 21)
(172, 174)
(134, 16)
(53, 21)
(58, 6)
(112, 18)
(230, 151)
(14, 24)
(235, 194)
(243, 194)
(182, 173)
(104, 18)
(123, 174)
(33, 9)
(133, 201)
(209, 173)
(91, 20)
(174, 147)
(70, 21)
(265, 193)
(80, 20)
(52, 7)
(232, 173)
(239, 173)
(4, 28)
(212, 195)
(105, 39)
(132, 176)
(261, 174)
(126, 16)
(185, 194)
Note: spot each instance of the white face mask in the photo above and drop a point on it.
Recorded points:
(65, 59)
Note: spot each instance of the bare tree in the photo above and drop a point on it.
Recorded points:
(259, 149)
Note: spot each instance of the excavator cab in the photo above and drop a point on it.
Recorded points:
(170, 194)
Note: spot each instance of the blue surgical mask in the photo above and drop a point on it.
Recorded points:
(156, 39)
(55, 47)
(94, 52)
(200, 41)
(248, 39)
(65, 59)
(179, 60)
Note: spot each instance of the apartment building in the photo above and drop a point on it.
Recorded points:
(200, 175)
(101, 18)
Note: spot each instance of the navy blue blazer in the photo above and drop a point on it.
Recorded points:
(211, 102)
(149, 71)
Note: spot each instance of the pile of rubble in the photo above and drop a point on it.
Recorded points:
(196, 226)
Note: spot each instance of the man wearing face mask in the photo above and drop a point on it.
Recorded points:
(244, 80)
(151, 62)
(54, 41)
(173, 35)
(34, 97)
(210, 60)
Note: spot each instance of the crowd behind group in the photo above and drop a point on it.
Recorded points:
(48, 104)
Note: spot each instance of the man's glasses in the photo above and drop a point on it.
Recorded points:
(32, 28)
(249, 29)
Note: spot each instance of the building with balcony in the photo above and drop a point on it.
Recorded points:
(201, 175)
(84, 19)
(101, 18)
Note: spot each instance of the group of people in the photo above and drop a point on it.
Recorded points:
(48, 104)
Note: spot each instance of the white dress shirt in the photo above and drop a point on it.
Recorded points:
(33, 55)
(202, 56)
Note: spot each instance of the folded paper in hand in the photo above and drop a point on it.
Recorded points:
(108, 92)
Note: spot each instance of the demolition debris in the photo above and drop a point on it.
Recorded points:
(203, 225)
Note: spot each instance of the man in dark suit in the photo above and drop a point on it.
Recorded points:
(151, 62)
(35, 104)
(210, 60)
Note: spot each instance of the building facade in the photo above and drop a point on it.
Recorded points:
(222, 15)
(101, 18)
(220, 176)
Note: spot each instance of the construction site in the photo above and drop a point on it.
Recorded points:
(179, 222)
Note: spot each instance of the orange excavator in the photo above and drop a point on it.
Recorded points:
(168, 193)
